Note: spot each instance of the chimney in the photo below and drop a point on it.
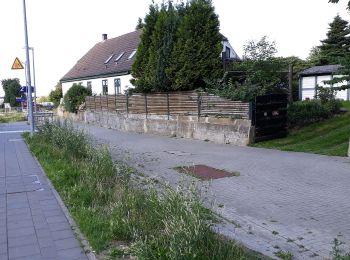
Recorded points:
(104, 36)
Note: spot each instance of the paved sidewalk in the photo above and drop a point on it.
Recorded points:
(32, 223)
(287, 201)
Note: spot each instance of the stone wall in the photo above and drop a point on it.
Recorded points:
(218, 130)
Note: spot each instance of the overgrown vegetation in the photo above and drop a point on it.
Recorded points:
(337, 252)
(12, 117)
(329, 137)
(259, 73)
(113, 206)
(305, 112)
(75, 96)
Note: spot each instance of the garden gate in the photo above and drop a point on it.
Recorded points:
(270, 116)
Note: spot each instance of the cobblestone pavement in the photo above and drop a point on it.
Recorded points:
(286, 201)
(32, 223)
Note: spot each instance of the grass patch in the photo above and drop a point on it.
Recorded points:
(329, 137)
(284, 255)
(12, 117)
(110, 205)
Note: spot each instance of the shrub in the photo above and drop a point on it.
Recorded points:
(302, 113)
(75, 96)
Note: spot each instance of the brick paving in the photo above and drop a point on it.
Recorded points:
(32, 223)
(287, 201)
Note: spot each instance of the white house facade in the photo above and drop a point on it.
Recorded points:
(106, 68)
(316, 76)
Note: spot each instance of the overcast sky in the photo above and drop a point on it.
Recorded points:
(62, 31)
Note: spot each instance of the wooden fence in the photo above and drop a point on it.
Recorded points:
(173, 103)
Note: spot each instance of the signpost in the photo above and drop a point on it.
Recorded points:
(17, 65)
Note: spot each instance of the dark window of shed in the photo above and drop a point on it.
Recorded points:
(105, 87)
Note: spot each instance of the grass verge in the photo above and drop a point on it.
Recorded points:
(112, 208)
(12, 117)
(329, 137)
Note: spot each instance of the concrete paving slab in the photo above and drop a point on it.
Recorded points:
(29, 211)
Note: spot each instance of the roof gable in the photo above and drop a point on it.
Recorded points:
(101, 59)
(320, 70)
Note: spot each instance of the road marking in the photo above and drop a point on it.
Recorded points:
(13, 132)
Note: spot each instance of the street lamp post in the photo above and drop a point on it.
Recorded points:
(29, 83)
(34, 84)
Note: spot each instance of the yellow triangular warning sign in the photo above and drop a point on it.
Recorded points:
(17, 65)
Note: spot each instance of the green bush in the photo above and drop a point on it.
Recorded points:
(74, 97)
(305, 112)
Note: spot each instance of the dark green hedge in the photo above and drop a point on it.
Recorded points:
(305, 112)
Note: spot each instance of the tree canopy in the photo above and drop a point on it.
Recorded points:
(56, 94)
(336, 1)
(337, 44)
(75, 96)
(11, 88)
(180, 47)
(261, 50)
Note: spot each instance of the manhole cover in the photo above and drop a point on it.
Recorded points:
(204, 172)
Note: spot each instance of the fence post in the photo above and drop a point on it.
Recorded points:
(199, 104)
(115, 102)
(127, 105)
(146, 110)
(168, 105)
(107, 103)
(101, 103)
(95, 103)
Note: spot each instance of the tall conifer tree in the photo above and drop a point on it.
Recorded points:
(196, 55)
(337, 44)
(139, 67)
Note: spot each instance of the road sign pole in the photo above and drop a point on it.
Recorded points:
(29, 83)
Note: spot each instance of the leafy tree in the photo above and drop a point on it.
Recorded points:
(259, 73)
(11, 88)
(75, 96)
(196, 54)
(337, 44)
(259, 51)
(56, 94)
(336, 1)
(43, 99)
(140, 65)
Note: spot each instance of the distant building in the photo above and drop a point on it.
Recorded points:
(314, 76)
(106, 68)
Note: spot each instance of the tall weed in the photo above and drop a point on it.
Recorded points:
(109, 205)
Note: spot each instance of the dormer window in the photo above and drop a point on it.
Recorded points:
(119, 57)
(132, 54)
(109, 58)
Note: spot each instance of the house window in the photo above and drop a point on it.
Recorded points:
(88, 85)
(132, 54)
(105, 87)
(119, 57)
(117, 86)
(228, 52)
(109, 58)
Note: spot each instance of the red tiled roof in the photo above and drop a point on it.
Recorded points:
(92, 64)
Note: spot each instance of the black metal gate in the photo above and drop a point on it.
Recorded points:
(270, 117)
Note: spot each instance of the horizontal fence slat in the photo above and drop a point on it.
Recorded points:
(172, 103)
